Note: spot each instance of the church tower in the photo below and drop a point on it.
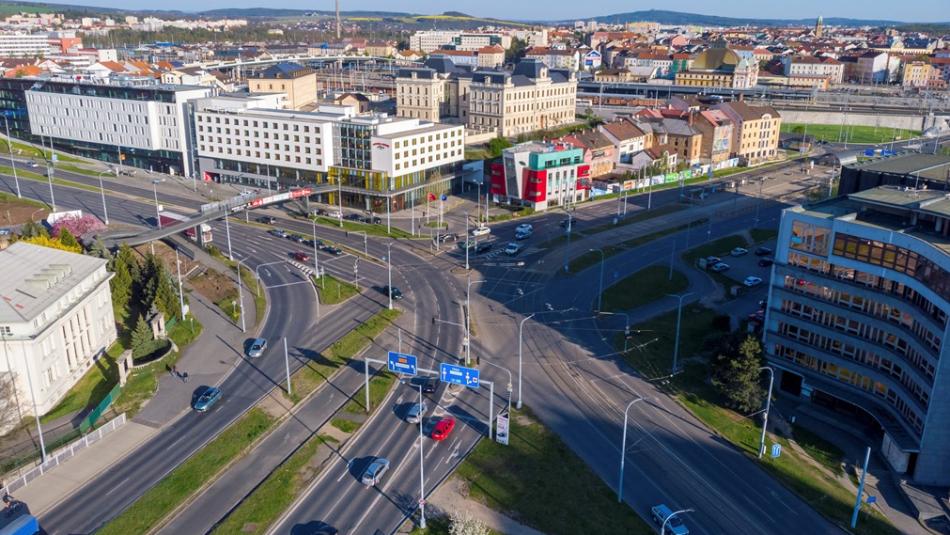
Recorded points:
(819, 27)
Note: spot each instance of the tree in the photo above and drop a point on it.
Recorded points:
(465, 524)
(122, 286)
(736, 375)
(165, 297)
(516, 50)
(67, 239)
(496, 145)
(142, 338)
(32, 229)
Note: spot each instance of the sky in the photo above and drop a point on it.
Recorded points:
(909, 10)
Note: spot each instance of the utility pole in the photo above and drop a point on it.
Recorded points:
(679, 317)
(422, 479)
(768, 405)
(181, 294)
(16, 180)
(338, 29)
(287, 365)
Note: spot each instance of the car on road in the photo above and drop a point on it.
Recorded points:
(374, 471)
(448, 237)
(719, 267)
(443, 429)
(739, 251)
(481, 231)
(467, 244)
(300, 257)
(524, 227)
(277, 232)
(33, 164)
(335, 251)
(415, 412)
(392, 291)
(752, 281)
(267, 219)
(428, 384)
(766, 262)
(257, 348)
(483, 247)
(296, 238)
(763, 251)
(661, 515)
(207, 398)
(523, 234)
(353, 217)
(372, 220)
(512, 249)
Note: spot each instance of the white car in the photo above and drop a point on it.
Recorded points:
(739, 251)
(512, 249)
(752, 280)
(524, 228)
(481, 231)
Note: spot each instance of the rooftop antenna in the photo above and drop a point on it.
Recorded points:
(337, 20)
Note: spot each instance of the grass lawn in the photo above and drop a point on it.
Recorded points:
(345, 425)
(81, 170)
(189, 476)
(255, 514)
(856, 134)
(333, 291)
(760, 235)
(14, 211)
(644, 286)
(539, 481)
(372, 230)
(591, 258)
(250, 283)
(320, 367)
(31, 175)
(91, 388)
(650, 351)
(379, 386)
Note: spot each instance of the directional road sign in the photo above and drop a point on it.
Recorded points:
(872, 499)
(776, 450)
(459, 375)
(402, 363)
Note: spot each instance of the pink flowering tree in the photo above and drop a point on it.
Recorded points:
(78, 226)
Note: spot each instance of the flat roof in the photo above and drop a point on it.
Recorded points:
(933, 166)
(427, 127)
(35, 277)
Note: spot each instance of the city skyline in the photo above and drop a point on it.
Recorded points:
(912, 11)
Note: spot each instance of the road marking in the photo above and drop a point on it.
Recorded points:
(349, 465)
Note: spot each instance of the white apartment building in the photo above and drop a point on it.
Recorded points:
(55, 321)
(24, 45)
(809, 66)
(371, 159)
(556, 58)
(148, 126)
(427, 41)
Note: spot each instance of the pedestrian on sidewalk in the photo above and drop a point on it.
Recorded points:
(184, 377)
(175, 371)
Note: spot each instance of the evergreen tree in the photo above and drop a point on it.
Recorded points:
(165, 297)
(141, 338)
(736, 375)
(121, 286)
(66, 238)
(32, 229)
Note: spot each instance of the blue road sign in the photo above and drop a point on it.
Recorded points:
(445, 197)
(872, 499)
(402, 363)
(459, 375)
(776, 450)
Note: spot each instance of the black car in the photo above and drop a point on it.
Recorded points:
(766, 262)
(372, 220)
(353, 217)
(267, 219)
(335, 251)
(297, 238)
(428, 384)
(763, 251)
(391, 290)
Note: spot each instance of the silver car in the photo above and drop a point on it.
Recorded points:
(257, 348)
(374, 471)
(414, 415)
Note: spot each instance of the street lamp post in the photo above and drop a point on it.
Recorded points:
(768, 405)
(626, 327)
(600, 295)
(240, 295)
(679, 317)
(227, 232)
(520, 346)
(467, 238)
(181, 294)
(389, 262)
(422, 479)
(158, 212)
(102, 192)
(510, 378)
(16, 180)
(623, 449)
(667, 521)
(570, 225)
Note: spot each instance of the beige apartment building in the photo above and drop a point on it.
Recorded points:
(530, 98)
(756, 131)
(299, 83)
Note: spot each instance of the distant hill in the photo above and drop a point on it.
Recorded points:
(266, 12)
(676, 17)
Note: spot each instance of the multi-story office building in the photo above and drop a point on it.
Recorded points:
(143, 126)
(540, 175)
(427, 41)
(25, 45)
(372, 160)
(530, 98)
(299, 83)
(857, 316)
(57, 321)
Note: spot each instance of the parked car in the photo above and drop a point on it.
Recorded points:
(739, 251)
(267, 219)
(752, 281)
(443, 429)
(301, 257)
(719, 267)
(373, 220)
(524, 227)
(207, 398)
(374, 471)
(512, 249)
(481, 231)
(257, 347)
(395, 292)
(415, 412)
(335, 214)
(297, 238)
(277, 232)
(320, 211)
(712, 260)
(353, 217)
(335, 251)
(766, 262)
(661, 515)
(763, 251)
(757, 316)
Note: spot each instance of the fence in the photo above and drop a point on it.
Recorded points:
(90, 420)
(61, 455)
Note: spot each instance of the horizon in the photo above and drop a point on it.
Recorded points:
(914, 11)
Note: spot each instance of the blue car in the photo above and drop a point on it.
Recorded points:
(208, 397)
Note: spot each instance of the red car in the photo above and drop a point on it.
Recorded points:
(443, 429)
(301, 257)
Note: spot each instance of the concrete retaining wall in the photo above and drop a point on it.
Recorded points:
(909, 121)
